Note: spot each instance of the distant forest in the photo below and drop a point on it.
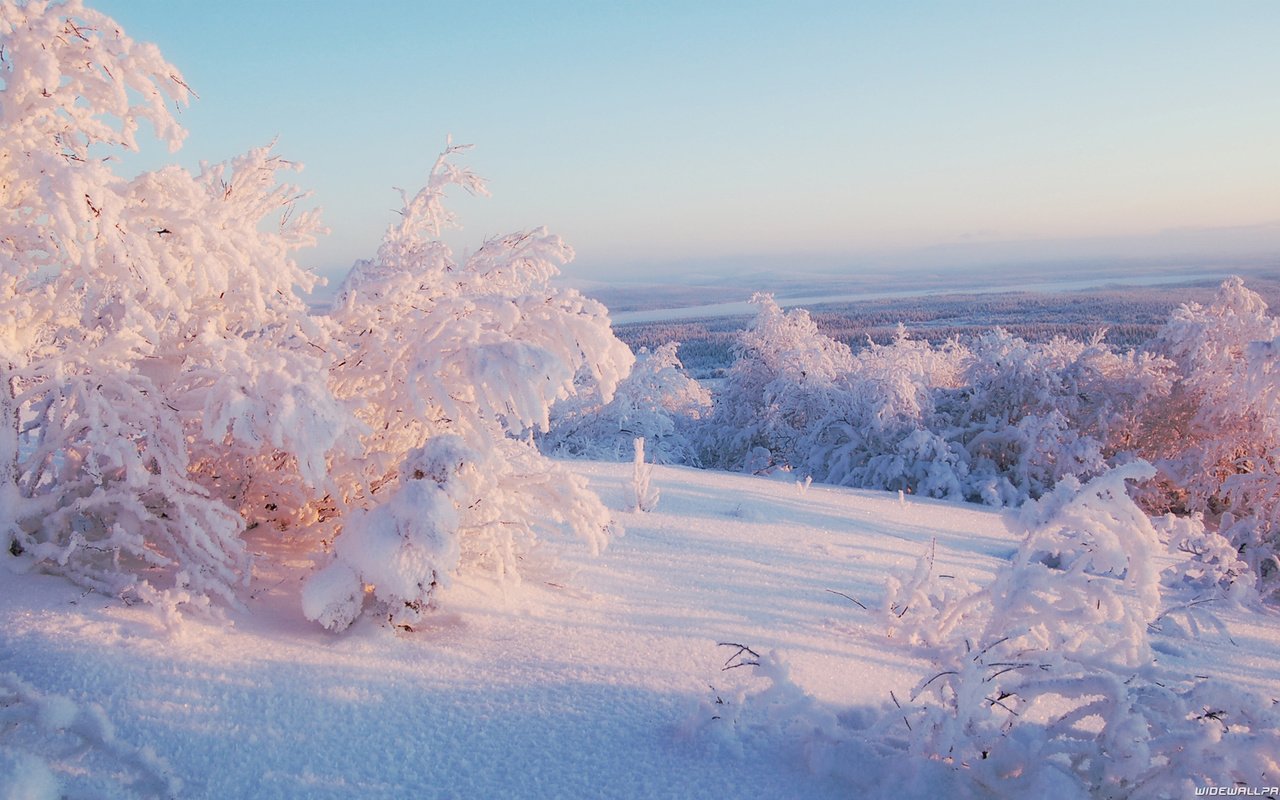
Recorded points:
(1130, 315)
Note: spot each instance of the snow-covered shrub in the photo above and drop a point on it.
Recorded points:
(161, 377)
(995, 420)
(797, 398)
(457, 366)
(1216, 440)
(657, 402)
(1027, 415)
(404, 546)
(917, 608)
(1211, 567)
(781, 391)
(163, 388)
(1048, 678)
(1043, 682)
(644, 496)
(1212, 428)
(48, 740)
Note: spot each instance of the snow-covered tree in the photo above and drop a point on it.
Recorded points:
(1029, 414)
(1211, 428)
(995, 419)
(1216, 440)
(161, 375)
(453, 368)
(657, 402)
(165, 389)
(782, 387)
(891, 434)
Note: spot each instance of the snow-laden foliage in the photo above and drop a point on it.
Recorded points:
(46, 740)
(404, 546)
(1028, 415)
(1216, 440)
(452, 369)
(781, 392)
(1043, 682)
(164, 388)
(1210, 430)
(995, 419)
(1046, 677)
(657, 402)
(161, 375)
(999, 420)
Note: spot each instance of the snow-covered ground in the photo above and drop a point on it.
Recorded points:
(743, 308)
(591, 678)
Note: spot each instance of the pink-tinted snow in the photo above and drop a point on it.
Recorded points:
(582, 681)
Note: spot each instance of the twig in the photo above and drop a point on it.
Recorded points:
(894, 697)
(742, 648)
(850, 599)
(984, 650)
(998, 701)
(925, 685)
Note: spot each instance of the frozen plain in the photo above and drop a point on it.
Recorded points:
(590, 678)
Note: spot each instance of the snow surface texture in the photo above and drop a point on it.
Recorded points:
(594, 677)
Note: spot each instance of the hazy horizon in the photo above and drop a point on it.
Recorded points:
(672, 137)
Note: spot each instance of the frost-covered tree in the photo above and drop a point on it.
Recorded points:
(657, 402)
(161, 375)
(453, 368)
(1211, 428)
(995, 419)
(165, 389)
(781, 388)
(1027, 415)
(890, 437)
(1217, 438)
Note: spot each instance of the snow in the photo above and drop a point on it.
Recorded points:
(980, 285)
(589, 678)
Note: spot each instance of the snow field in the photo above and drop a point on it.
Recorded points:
(586, 679)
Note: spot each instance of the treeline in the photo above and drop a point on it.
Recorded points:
(1130, 316)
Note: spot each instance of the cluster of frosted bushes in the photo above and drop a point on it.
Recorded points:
(998, 420)
(991, 419)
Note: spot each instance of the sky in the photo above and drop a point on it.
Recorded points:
(686, 137)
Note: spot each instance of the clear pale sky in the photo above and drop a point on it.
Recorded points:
(706, 135)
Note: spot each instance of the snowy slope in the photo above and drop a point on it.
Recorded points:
(586, 680)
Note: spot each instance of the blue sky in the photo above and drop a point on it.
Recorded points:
(686, 136)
